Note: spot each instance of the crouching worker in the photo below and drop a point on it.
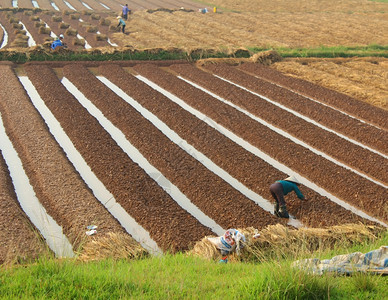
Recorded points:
(281, 188)
(231, 241)
(121, 23)
(58, 43)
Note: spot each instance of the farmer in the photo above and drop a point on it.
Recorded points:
(121, 23)
(231, 241)
(281, 188)
(126, 12)
(58, 43)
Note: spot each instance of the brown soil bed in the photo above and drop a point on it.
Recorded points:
(345, 103)
(147, 203)
(339, 181)
(335, 146)
(66, 197)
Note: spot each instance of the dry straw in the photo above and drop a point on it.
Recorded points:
(278, 240)
(112, 245)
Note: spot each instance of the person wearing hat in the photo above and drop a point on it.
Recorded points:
(281, 188)
(121, 23)
(58, 43)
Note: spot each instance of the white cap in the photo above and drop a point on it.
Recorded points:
(293, 179)
(61, 36)
(118, 17)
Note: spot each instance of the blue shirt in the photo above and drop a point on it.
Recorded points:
(121, 22)
(289, 186)
(125, 10)
(56, 44)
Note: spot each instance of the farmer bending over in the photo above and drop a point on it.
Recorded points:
(58, 43)
(121, 23)
(281, 188)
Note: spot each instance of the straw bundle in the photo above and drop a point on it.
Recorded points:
(17, 26)
(19, 31)
(92, 29)
(95, 17)
(104, 22)
(44, 30)
(113, 245)
(266, 57)
(65, 12)
(63, 25)
(86, 13)
(71, 32)
(78, 42)
(34, 18)
(39, 24)
(17, 42)
(114, 28)
(28, 13)
(48, 12)
(101, 37)
(56, 18)
(75, 16)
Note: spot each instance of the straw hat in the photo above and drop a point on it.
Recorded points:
(292, 179)
(118, 17)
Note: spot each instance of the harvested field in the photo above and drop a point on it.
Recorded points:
(187, 151)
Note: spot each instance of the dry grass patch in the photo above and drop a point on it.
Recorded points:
(104, 22)
(113, 245)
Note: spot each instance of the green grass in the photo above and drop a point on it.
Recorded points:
(182, 277)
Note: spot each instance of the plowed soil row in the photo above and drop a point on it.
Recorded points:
(334, 145)
(354, 107)
(344, 184)
(249, 169)
(68, 199)
(216, 198)
(17, 236)
(56, 183)
(137, 193)
(331, 118)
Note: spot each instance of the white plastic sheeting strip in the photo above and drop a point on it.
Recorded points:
(256, 151)
(14, 3)
(103, 5)
(99, 190)
(54, 5)
(138, 158)
(31, 41)
(285, 134)
(30, 204)
(191, 150)
(35, 4)
(299, 115)
(109, 41)
(86, 5)
(69, 5)
(5, 37)
(87, 46)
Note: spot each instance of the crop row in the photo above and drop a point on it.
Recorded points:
(219, 131)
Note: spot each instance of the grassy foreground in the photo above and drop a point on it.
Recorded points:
(181, 276)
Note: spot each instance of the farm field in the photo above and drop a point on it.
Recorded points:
(161, 154)
(185, 150)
